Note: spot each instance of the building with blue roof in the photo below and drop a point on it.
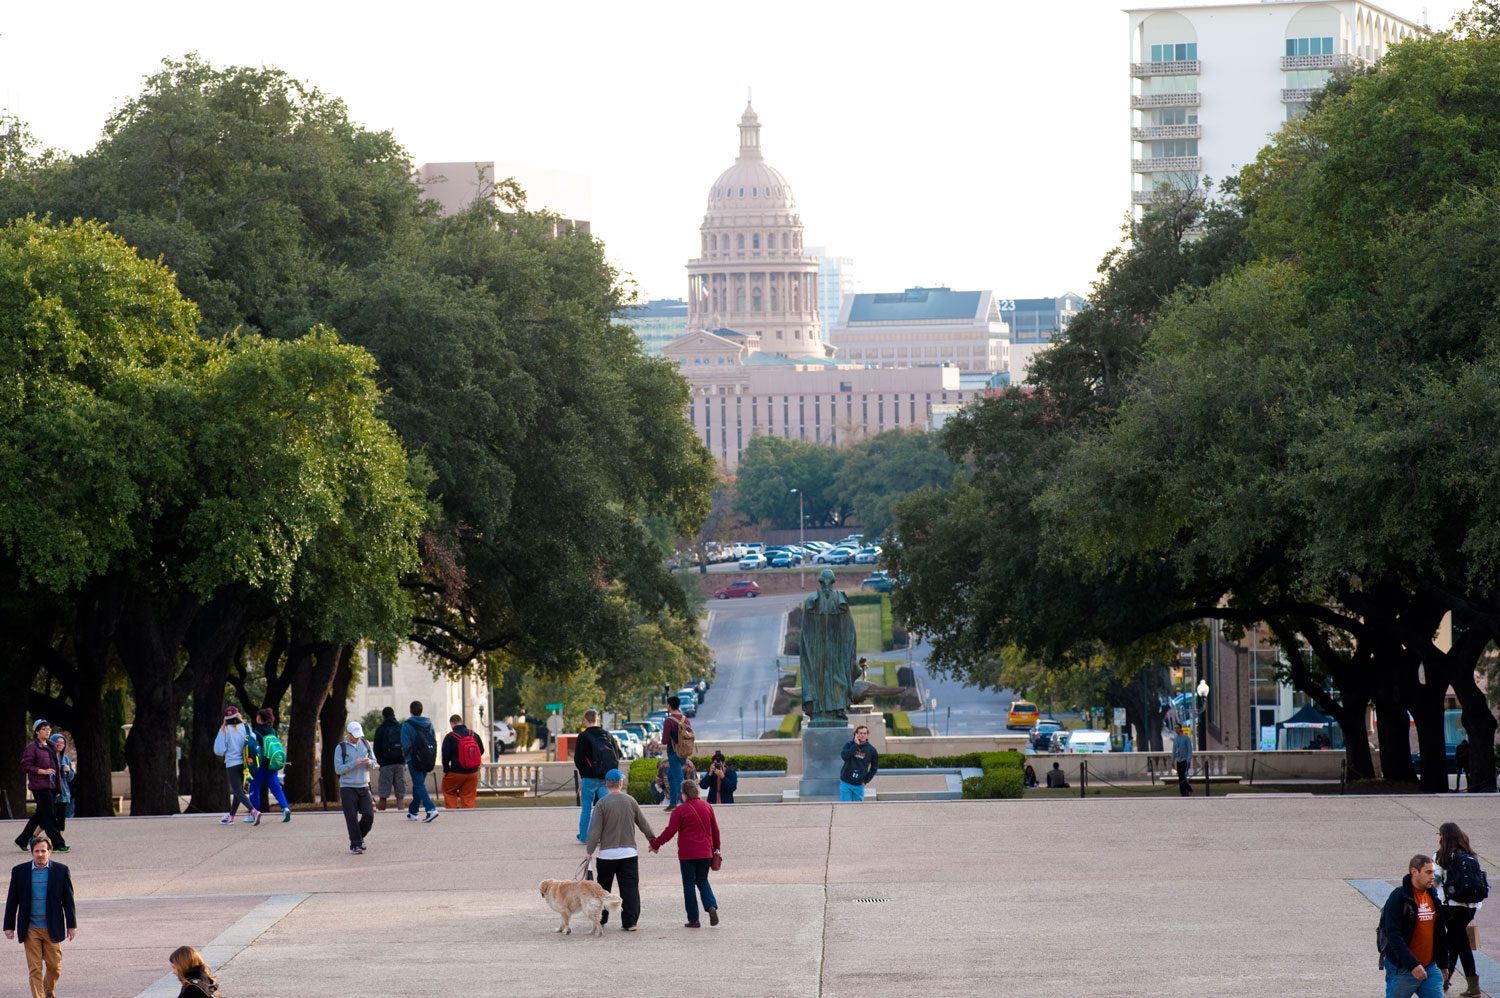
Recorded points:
(922, 326)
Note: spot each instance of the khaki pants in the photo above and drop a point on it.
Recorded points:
(40, 949)
(459, 789)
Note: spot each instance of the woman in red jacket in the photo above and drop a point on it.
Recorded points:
(697, 844)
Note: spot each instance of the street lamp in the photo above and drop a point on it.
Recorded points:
(1202, 692)
(801, 539)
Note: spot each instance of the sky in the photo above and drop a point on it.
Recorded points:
(980, 145)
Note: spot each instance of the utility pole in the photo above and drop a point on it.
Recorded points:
(801, 539)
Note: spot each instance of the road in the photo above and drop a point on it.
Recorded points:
(744, 634)
(961, 710)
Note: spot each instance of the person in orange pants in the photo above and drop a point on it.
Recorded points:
(462, 754)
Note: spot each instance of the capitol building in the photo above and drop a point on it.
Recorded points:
(755, 353)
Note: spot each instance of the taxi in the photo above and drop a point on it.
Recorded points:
(1023, 714)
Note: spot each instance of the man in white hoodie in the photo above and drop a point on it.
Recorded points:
(230, 743)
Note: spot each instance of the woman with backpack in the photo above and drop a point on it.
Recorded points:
(190, 969)
(230, 743)
(1464, 889)
(272, 757)
(697, 851)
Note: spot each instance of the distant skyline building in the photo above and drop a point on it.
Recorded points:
(1038, 320)
(657, 322)
(455, 186)
(919, 326)
(836, 279)
(1209, 85)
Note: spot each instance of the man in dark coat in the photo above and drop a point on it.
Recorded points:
(39, 906)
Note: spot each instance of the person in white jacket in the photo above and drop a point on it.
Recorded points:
(230, 743)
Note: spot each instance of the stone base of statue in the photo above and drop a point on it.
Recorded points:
(821, 763)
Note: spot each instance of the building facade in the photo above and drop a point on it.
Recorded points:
(657, 322)
(1038, 320)
(835, 280)
(396, 682)
(923, 326)
(1211, 84)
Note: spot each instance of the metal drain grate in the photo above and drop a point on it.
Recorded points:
(870, 900)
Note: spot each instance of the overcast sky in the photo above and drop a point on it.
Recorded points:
(979, 144)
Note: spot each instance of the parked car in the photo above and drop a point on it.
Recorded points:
(1059, 741)
(503, 737)
(783, 559)
(752, 561)
(1042, 732)
(1023, 714)
(631, 745)
(878, 583)
(689, 706)
(867, 556)
(701, 683)
(834, 556)
(660, 717)
(644, 730)
(745, 587)
(1088, 741)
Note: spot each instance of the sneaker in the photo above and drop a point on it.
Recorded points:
(412, 817)
(355, 850)
(692, 925)
(63, 849)
(21, 847)
(228, 819)
(431, 816)
(628, 928)
(286, 816)
(670, 807)
(254, 818)
(713, 916)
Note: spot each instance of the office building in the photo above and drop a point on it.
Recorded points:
(1209, 85)
(923, 326)
(657, 322)
(835, 280)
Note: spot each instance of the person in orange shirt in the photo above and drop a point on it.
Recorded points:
(1415, 943)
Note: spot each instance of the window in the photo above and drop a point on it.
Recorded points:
(378, 669)
(754, 192)
(739, 302)
(1310, 46)
(740, 239)
(755, 241)
(1171, 52)
(755, 300)
(742, 192)
(1174, 116)
(778, 334)
(714, 242)
(1174, 147)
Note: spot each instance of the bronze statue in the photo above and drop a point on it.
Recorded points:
(827, 655)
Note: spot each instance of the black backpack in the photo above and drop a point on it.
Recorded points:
(1463, 880)
(1380, 936)
(423, 749)
(604, 755)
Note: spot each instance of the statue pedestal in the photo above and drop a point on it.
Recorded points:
(821, 762)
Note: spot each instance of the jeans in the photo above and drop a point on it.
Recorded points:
(851, 791)
(630, 886)
(695, 874)
(236, 777)
(1183, 786)
(266, 778)
(674, 778)
(419, 795)
(46, 818)
(1403, 984)
(359, 813)
(1456, 919)
(591, 791)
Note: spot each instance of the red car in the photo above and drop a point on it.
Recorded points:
(746, 588)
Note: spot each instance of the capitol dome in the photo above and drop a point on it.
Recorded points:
(751, 183)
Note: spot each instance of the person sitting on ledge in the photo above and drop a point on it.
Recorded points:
(1055, 777)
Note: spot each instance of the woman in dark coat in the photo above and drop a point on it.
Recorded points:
(197, 982)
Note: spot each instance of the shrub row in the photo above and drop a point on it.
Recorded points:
(791, 726)
(898, 722)
(642, 772)
(887, 625)
(864, 599)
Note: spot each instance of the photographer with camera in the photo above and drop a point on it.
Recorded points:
(721, 780)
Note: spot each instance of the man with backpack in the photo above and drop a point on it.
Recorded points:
(351, 760)
(419, 749)
(1411, 938)
(462, 754)
(392, 763)
(677, 736)
(594, 756)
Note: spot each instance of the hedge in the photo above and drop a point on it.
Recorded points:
(790, 726)
(887, 625)
(865, 599)
(898, 723)
(1002, 783)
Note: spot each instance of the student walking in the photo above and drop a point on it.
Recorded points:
(463, 753)
(1182, 758)
(230, 743)
(190, 969)
(66, 774)
(419, 749)
(39, 906)
(1415, 939)
(593, 757)
(697, 851)
(612, 833)
(677, 735)
(352, 760)
(1464, 887)
(39, 762)
(393, 774)
(861, 763)
(269, 761)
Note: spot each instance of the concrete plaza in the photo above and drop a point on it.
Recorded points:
(1252, 895)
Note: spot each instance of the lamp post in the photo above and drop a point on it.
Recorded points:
(801, 539)
(1202, 692)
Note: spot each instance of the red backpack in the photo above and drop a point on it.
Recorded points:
(468, 751)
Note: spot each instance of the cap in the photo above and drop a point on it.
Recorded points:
(614, 776)
(41, 723)
(356, 729)
(59, 737)
(231, 711)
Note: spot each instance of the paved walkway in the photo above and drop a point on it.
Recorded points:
(1227, 896)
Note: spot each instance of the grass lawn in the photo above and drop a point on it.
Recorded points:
(867, 628)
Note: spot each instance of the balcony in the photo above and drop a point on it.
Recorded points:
(1167, 164)
(1148, 132)
(1341, 60)
(1177, 67)
(1152, 197)
(1299, 95)
(1141, 101)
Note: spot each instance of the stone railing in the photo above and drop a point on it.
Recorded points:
(1176, 67)
(1189, 99)
(1139, 767)
(1145, 133)
(1341, 60)
(1152, 197)
(1167, 164)
(532, 778)
(1299, 95)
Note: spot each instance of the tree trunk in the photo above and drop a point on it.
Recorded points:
(149, 641)
(334, 715)
(16, 676)
(312, 666)
(1393, 737)
(211, 644)
(96, 729)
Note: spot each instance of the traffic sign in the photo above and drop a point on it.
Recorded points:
(552, 706)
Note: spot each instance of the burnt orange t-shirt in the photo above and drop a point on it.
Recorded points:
(1421, 939)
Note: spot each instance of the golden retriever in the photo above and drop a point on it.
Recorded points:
(574, 897)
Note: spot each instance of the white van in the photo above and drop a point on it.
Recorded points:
(1088, 741)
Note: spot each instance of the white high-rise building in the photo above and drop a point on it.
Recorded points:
(1211, 84)
(835, 280)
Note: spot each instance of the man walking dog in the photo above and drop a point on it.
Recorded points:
(612, 833)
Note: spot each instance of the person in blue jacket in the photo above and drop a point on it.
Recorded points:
(721, 781)
(419, 749)
(861, 763)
